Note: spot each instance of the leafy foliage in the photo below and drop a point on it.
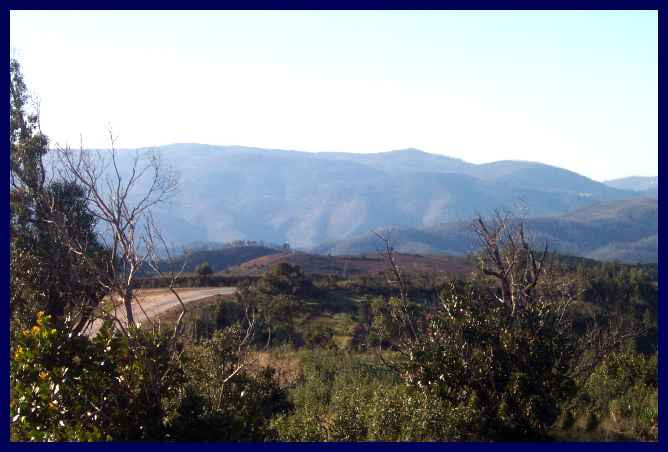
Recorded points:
(204, 269)
(219, 404)
(515, 371)
(133, 387)
(344, 397)
(45, 275)
(623, 390)
(66, 387)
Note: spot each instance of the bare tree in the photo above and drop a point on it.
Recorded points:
(526, 276)
(121, 198)
(154, 239)
(508, 255)
(398, 280)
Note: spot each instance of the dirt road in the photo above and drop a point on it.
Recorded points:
(157, 301)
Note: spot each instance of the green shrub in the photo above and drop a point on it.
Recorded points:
(514, 369)
(348, 397)
(133, 387)
(220, 402)
(204, 269)
(66, 387)
(624, 391)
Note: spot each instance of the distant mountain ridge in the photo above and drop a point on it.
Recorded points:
(624, 231)
(636, 183)
(232, 193)
(649, 186)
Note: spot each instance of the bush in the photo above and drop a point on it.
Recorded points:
(246, 406)
(66, 387)
(624, 391)
(204, 269)
(132, 387)
(285, 279)
(514, 370)
(219, 404)
(346, 397)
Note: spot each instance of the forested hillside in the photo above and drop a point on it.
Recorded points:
(305, 199)
(624, 231)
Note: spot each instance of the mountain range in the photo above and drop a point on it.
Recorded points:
(306, 199)
(648, 185)
(624, 231)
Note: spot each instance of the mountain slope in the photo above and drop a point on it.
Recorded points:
(635, 183)
(619, 230)
(219, 259)
(230, 192)
(356, 265)
(648, 186)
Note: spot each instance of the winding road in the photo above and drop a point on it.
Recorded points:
(157, 301)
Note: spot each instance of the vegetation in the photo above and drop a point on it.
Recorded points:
(45, 274)
(219, 259)
(529, 346)
(624, 231)
(272, 193)
(204, 269)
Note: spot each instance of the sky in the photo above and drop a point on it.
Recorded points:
(578, 90)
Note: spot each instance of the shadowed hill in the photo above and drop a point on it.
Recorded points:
(346, 266)
(218, 259)
(229, 193)
(621, 230)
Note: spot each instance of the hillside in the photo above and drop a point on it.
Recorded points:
(647, 186)
(218, 259)
(626, 231)
(346, 266)
(635, 183)
(231, 192)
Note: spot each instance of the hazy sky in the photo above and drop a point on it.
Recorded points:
(572, 89)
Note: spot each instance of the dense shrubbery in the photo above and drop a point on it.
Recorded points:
(477, 370)
(514, 371)
(219, 404)
(474, 371)
(67, 387)
(622, 292)
(192, 280)
(352, 397)
(135, 387)
(345, 396)
(623, 392)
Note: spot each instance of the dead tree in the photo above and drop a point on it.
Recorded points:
(121, 198)
(154, 239)
(400, 312)
(397, 278)
(509, 257)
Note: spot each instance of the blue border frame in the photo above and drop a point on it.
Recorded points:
(343, 4)
(663, 275)
(4, 352)
(370, 5)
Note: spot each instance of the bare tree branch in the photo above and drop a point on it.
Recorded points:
(121, 204)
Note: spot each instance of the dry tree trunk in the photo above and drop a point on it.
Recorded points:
(509, 257)
(120, 201)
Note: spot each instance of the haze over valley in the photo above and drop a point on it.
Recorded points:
(433, 226)
(332, 202)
